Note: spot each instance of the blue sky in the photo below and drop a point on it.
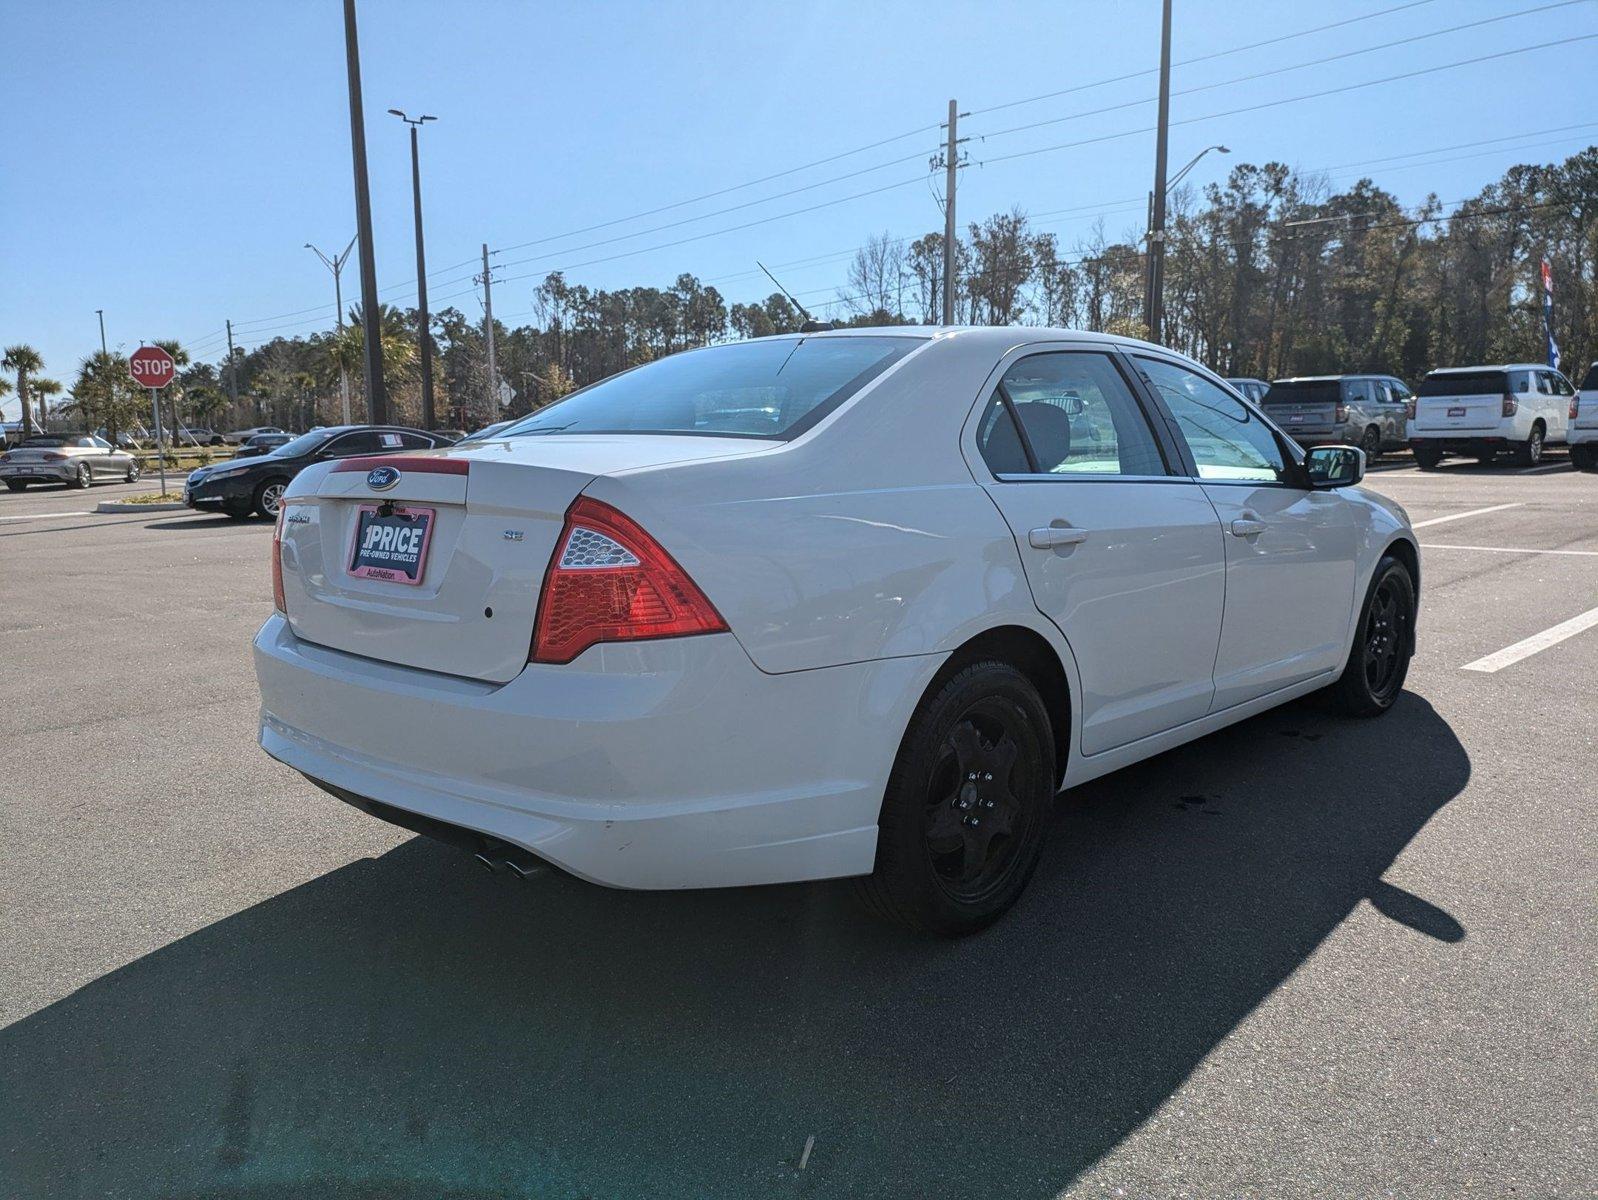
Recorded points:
(167, 161)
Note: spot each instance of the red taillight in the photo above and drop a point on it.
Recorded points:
(1575, 406)
(609, 581)
(1340, 413)
(1511, 405)
(278, 602)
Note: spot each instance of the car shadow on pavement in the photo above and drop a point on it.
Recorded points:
(410, 1026)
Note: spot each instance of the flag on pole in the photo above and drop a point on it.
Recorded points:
(1548, 315)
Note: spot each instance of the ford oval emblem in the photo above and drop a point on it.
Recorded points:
(380, 479)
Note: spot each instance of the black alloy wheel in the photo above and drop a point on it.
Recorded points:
(964, 814)
(1378, 662)
(1371, 443)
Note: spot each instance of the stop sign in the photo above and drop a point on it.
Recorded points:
(151, 367)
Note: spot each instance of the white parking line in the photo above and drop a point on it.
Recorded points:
(1510, 655)
(1475, 512)
(1508, 549)
(1544, 470)
(82, 512)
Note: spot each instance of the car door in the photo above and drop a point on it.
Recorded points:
(1290, 551)
(1394, 431)
(107, 462)
(1553, 404)
(1120, 552)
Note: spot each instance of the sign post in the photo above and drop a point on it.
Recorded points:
(152, 367)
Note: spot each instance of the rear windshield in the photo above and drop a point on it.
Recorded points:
(1304, 391)
(1469, 383)
(1591, 382)
(764, 389)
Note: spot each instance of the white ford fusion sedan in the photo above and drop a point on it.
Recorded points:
(853, 603)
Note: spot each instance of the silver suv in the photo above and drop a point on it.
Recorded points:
(1367, 411)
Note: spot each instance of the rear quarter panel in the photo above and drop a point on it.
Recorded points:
(867, 538)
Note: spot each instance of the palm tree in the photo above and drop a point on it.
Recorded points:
(347, 348)
(43, 388)
(24, 360)
(173, 390)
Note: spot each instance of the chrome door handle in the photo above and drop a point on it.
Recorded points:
(1247, 527)
(1051, 536)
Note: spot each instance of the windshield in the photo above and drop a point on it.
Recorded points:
(1304, 391)
(775, 388)
(303, 444)
(1466, 383)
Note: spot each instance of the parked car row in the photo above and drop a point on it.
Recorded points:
(1481, 412)
(254, 483)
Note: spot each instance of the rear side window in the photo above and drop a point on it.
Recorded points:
(1466, 383)
(1077, 417)
(1305, 391)
(1228, 441)
(774, 388)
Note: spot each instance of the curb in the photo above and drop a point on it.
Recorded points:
(116, 506)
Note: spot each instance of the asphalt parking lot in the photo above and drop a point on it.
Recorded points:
(1306, 957)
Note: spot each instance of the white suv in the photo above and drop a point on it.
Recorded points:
(1480, 411)
(1583, 431)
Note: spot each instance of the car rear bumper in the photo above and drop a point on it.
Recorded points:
(665, 764)
(39, 472)
(1582, 436)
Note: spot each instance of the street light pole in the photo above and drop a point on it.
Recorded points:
(424, 333)
(100, 312)
(1156, 308)
(336, 265)
(371, 316)
(1150, 301)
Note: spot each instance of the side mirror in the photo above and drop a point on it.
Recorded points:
(1334, 466)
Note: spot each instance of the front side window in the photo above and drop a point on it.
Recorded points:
(772, 388)
(1229, 442)
(1077, 417)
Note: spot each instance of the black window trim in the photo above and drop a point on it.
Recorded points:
(1167, 451)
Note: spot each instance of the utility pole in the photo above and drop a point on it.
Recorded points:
(100, 312)
(336, 265)
(488, 333)
(951, 164)
(424, 334)
(232, 370)
(1156, 303)
(371, 316)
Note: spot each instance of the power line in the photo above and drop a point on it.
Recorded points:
(1317, 62)
(898, 137)
(1187, 62)
(714, 213)
(1350, 87)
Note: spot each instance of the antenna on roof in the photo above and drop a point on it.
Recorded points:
(811, 325)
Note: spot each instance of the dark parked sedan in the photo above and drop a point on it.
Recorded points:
(255, 485)
(263, 443)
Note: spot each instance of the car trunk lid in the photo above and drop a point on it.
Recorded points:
(1308, 408)
(1461, 403)
(493, 514)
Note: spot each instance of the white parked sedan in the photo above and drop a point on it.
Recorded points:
(841, 604)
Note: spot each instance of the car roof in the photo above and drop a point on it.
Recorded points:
(1514, 366)
(1335, 378)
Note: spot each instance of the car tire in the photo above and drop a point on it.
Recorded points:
(84, 477)
(1427, 458)
(1530, 452)
(1371, 443)
(268, 496)
(1584, 457)
(16, 485)
(1384, 643)
(980, 748)
(133, 474)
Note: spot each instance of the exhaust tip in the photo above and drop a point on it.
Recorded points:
(489, 864)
